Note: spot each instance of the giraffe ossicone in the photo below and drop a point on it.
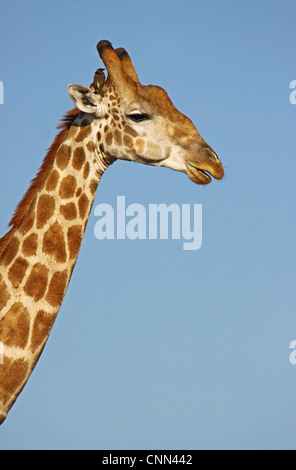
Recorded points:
(116, 118)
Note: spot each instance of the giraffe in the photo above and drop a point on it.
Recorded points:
(114, 118)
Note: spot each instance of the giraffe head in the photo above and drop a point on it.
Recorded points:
(140, 123)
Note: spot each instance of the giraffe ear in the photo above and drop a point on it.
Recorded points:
(86, 100)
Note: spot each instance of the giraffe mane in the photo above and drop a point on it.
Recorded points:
(22, 207)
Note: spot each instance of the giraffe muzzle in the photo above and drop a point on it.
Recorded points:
(202, 171)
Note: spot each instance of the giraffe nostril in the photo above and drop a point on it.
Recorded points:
(212, 155)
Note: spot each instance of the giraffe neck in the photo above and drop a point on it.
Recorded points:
(37, 262)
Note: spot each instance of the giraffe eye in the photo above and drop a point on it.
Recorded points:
(138, 117)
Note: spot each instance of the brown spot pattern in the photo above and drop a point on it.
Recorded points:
(78, 158)
(37, 282)
(78, 192)
(69, 211)
(4, 295)
(41, 329)
(45, 210)
(52, 180)
(67, 187)
(131, 131)
(140, 145)
(118, 137)
(54, 243)
(83, 133)
(90, 146)
(74, 240)
(57, 288)
(12, 375)
(83, 203)
(26, 205)
(128, 141)
(15, 326)
(27, 223)
(17, 272)
(109, 138)
(29, 247)
(86, 170)
(10, 252)
(63, 156)
(93, 186)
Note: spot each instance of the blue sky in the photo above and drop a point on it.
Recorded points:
(156, 347)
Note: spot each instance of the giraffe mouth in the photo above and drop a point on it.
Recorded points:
(204, 176)
(197, 175)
